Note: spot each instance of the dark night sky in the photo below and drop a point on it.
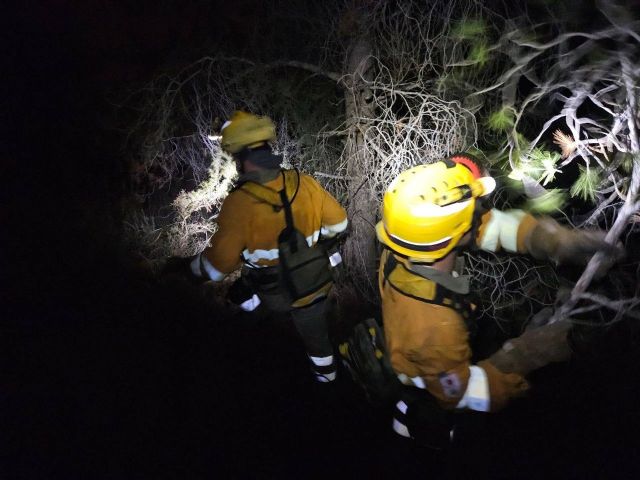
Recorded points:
(109, 377)
(68, 61)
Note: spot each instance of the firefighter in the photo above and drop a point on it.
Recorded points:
(429, 213)
(251, 220)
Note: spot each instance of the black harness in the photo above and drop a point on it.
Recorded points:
(443, 296)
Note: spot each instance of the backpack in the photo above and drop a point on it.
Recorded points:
(365, 356)
(302, 269)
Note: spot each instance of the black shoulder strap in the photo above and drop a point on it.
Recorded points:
(389, 266)
(286, 204)
(288, 214)
(252, 189)
(443, 296)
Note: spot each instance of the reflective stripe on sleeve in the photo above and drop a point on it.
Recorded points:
(477, 395)
(502, 230)
(259, 254)
(210, 270)
(335, 259)
(332, 230)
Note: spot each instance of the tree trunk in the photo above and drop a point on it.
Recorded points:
(360, 247)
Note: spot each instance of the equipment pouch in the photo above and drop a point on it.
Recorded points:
(303, 269)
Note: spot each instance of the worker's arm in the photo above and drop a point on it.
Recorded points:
(506, 230)
(334, 217)
(544, 239)
(446, 372)
(334, 225)
(223, 255)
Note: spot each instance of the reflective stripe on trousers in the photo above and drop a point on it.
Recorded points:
(324, 368)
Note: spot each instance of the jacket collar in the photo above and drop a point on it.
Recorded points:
(458, 284)
(260, 176)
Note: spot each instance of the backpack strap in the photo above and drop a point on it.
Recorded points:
(288, 232)
(442, 295)
(268, 195)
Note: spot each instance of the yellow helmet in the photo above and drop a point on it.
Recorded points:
(427, 209)
(245, 130)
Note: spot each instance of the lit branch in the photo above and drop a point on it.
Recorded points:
(315, 69)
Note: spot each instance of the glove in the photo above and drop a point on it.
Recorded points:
(534, 349)
(550, 240)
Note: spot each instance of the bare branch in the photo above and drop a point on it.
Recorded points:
(336, 77)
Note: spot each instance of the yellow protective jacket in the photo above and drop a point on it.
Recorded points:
(424, 323)
(249, 225)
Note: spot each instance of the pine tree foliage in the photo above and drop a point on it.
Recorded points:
(470, 29)
(581, 83)
(551, 202)
(586, 185)
(502, 120)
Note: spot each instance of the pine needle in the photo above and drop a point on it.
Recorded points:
(469, 28)
(502, 120)
(565, 142)
(586, 184)
(552, 201)
(479, 54)
(544, 163)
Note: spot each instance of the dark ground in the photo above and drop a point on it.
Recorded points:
(108, 375)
